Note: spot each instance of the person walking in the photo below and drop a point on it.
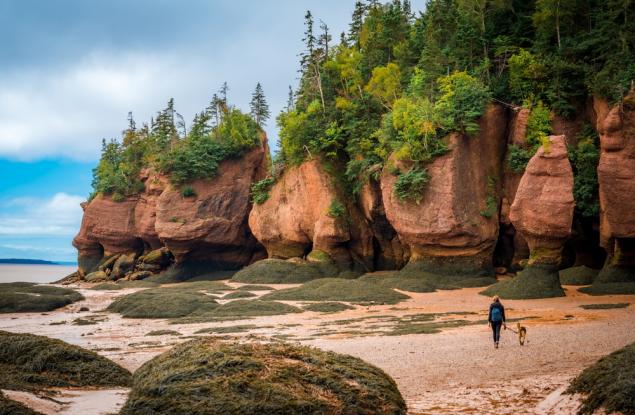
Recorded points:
(496, 319)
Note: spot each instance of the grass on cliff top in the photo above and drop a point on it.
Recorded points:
(335, 289)
(213, 377)
(31, 363)
(24, 297)
(604, 306)
(533, 282)
(278, 271)
(611, 288)
(11, 407)
(581, 275)
(609, 383)
(328, 307)
(240, 310)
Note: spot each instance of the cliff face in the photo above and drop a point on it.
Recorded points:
(454, 221)
(616, 176)
(209, 227)
(304, 213)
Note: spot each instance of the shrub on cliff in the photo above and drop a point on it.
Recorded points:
(212, 377)
(31, 363)
(608, 383)
(24, 297)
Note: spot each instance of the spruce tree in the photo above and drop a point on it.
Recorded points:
(259, 107)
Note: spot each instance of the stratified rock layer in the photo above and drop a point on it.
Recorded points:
(299, 218)
(453, 228)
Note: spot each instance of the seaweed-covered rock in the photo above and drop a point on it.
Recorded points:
(207, 377)
(278, 271)
(305, 212)
(536, 281)
(457, 217)
(97, 276)
(124, 264)
(608, 384)
(580, 275)
(29, 362)
(25, 297)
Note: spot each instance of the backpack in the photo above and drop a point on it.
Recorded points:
(497, 315)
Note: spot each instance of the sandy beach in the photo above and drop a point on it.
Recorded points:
(456, 370)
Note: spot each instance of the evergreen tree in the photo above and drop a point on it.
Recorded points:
(355, 27)
(259, 107)
(290, 100)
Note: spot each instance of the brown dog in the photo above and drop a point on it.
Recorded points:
(522, 333)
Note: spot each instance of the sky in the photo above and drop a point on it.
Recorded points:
(71, 70)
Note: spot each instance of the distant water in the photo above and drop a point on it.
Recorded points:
(34, 273)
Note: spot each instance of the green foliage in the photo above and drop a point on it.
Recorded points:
(463, 99)
(188, 191)
(536, 135)
(260, 190)
(526, 76)
(336, 210)
(255, 378)
(585, 158)
(410, 186)
(218, 133)
(608, 383)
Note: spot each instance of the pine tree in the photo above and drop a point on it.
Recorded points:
(325, 38)
(357, 23)
(290, 100)
(259, 107)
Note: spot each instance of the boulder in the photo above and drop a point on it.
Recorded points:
(211, 227)
(616, 177)
(139, 275)
(305, 212)
(454, 229)
(124, 264)
(97, 276)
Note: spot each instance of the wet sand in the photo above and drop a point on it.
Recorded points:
(34, 273)
(456, 370)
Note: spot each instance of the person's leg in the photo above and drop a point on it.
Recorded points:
(494, 331)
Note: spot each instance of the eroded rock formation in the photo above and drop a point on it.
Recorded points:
(455, 226)
(616, 176)
(305, 215)
(542, 210)
(209, 228)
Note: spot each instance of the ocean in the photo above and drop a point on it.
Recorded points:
(34, 273)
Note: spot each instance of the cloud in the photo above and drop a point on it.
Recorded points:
(59, 215)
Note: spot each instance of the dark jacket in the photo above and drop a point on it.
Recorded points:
(499, 306)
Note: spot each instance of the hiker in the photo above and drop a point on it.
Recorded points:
(496, 318)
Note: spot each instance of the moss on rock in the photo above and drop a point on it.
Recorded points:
(210, 377)
(163, 302)
(609, 383)
(328, 307)
(614, 288)
(25, 297)
(535, 281)
(581, 275)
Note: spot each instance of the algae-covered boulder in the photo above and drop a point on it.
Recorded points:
(581, 275)
(279, 271)
(609, 383)
(25, 297)
(536, 281)
(29, 362)
(207, 377)
(338, 289)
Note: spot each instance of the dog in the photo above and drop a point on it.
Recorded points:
(522, 333)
